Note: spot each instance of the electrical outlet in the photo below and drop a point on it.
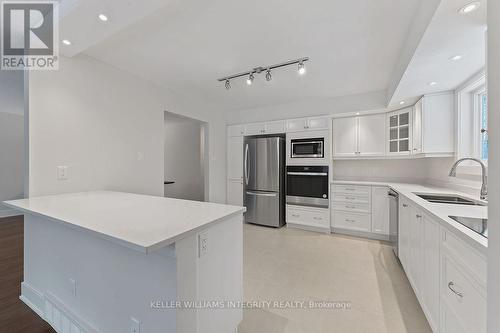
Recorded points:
(202, 244)
(62, 172)
(135, 325)
(72, 283)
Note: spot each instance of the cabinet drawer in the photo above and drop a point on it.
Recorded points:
(344, 220)
(351, 198)
(314, 218)
(461, 252)
(463, 296)
(352, 207)
(352, 189)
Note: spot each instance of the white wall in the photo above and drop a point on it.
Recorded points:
(107, 126)
(404, 170)
(311, 107)
(183, 158)
(11, 138)
(494, 163)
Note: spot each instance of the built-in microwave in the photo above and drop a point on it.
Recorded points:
(308, 148)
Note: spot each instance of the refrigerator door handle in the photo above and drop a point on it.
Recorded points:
(246, 164)
(262, 194)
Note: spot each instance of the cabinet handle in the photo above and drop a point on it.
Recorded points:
(418, 216)
(295, 215)
(318, 218)
(350, 207)
(405, 205)
(349, 189)
(350, 198)
(348, 220)
(450, 286)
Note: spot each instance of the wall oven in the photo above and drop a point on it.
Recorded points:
(307, 186)
(308, 148)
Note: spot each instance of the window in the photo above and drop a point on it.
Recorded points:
(482, 114)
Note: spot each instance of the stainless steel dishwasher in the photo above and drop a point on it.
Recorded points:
(393, 219)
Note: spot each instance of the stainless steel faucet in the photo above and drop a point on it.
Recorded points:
(484, 187)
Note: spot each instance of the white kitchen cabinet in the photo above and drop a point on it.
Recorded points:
(235, 158)
(308, 218)
(345, 137)
(415, 267)
(417, 128)
(275, 127)
(404, 232)
(380, 210)
(318, 123)
(371, 135)
(434, 125)
(399, 126)
(236, 130)
(234, 192)
(430, 296)
(355, 137)
(308, 124)
(255, 129)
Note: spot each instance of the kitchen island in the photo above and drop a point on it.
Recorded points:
(120, 262)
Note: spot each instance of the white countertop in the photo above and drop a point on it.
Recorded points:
(437, 210)
(141, 222)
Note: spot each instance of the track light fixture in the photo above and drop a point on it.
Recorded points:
(267, 69)
(302, 68)
(269, 76)
(250, 79)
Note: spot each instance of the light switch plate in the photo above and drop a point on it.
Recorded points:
(62, 172)
(202, 244)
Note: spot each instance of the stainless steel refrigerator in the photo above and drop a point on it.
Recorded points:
(264, 181)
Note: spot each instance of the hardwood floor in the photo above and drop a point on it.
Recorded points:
(15, 316)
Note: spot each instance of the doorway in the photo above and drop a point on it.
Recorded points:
(185, 144)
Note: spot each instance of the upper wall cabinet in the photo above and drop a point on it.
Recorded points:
(355, 137)
(236, 130)
(399, 131)
(434, 125)
(307, 124)
(270, 127)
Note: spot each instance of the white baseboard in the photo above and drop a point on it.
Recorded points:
(52, 310)
(308, 228)
(33, 299)
(9, 212)
(362, 234)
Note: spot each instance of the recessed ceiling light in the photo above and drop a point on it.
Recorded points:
(433, 83)
(402, 102)
(357, 113)
(66, 42)
(103, 17)
(457, 57)
(470, 7)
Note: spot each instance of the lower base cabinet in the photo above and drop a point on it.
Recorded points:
(308, 217)
(447, 275)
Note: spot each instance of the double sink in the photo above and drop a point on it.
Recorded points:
(476, 224)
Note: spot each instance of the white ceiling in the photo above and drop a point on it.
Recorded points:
(186, 45)
(448, 34)
(355, 47)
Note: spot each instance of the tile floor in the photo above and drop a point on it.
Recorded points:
(294, 265)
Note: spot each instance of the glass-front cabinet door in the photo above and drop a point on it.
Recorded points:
(399, 126)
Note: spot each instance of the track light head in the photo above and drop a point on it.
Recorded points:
(250, 79)
(302, 68)
(269, 76)
(228, 84)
